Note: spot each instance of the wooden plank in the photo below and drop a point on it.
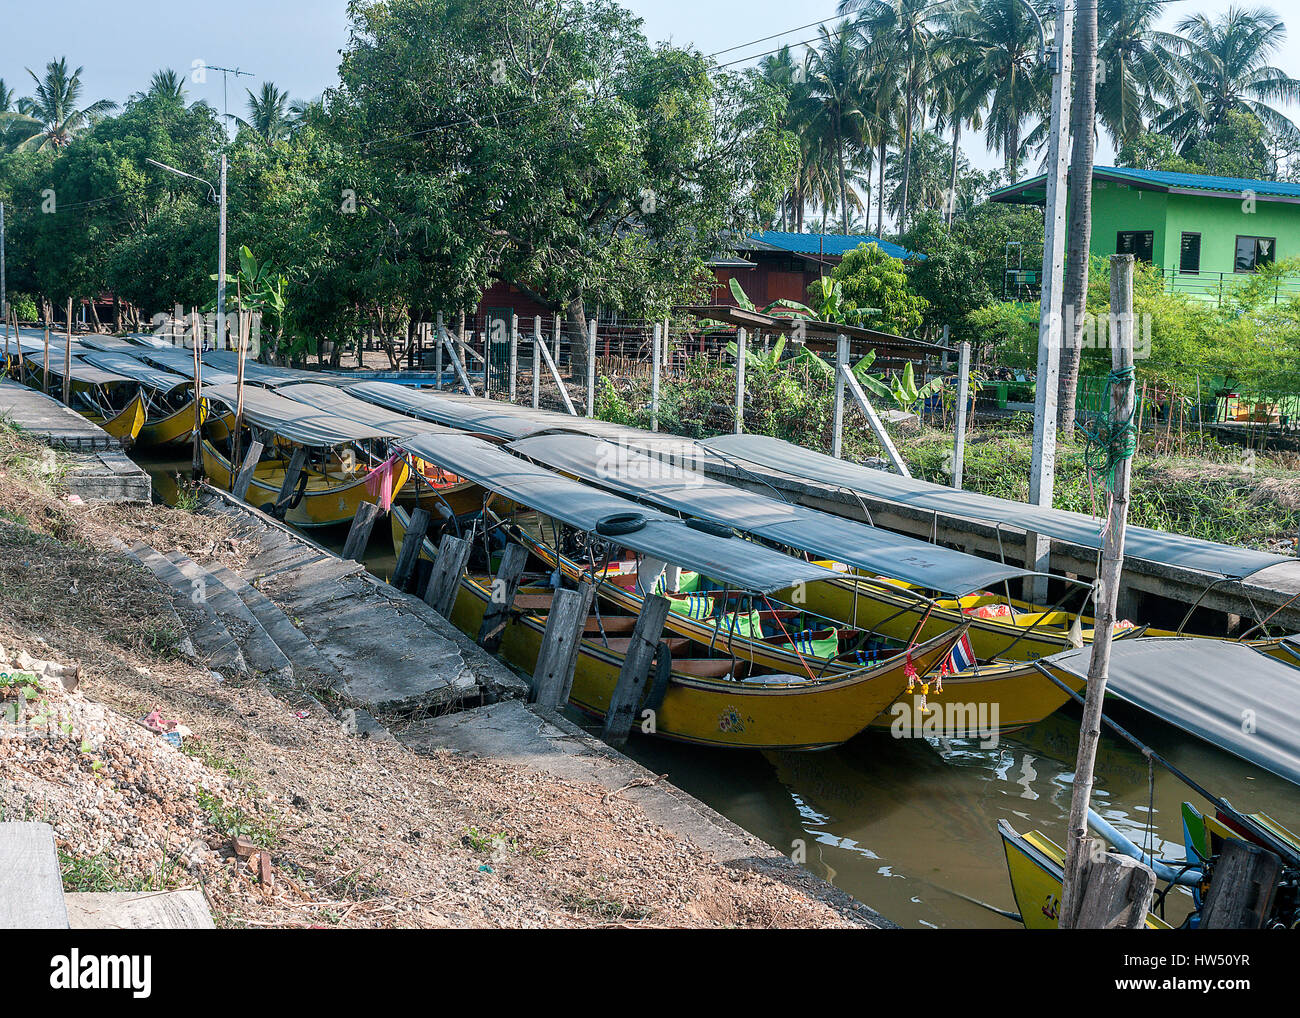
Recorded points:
(636, 668)
(448, 568)
(560, 644)
(245, 475)
(412, 541)
(31, 888)
(504, 587)
(1117, 893)
(291, 473)
(1242, 888)
(359, 533)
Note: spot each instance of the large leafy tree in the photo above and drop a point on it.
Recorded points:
(53, 115)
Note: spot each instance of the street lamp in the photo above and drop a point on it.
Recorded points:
(221, 242)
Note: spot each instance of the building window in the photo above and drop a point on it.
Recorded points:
(1189, 253)
(1140, 243)
(1254, 253)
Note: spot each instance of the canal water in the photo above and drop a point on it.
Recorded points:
(910, 826)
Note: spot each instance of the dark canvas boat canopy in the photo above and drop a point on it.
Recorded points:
(485, 416)
(137, 370)
(182, 362)
(268, 374)
(292, 420)
(739, 564)
(334, 400)
(673, 486)
(1209, 688)
(1076, 528)
(81, 370)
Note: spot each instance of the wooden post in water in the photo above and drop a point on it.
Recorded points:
(45, 374)
(1116, 893)
(1112, 565)
(591, 368)
(537, 361)
(412, 541)
(359, 533)
(558, 657)
(636, 667)
(4, 312)
(291, 474)
(514, 356)
(67, 360)
(837, 426)
(740, 381)
(196, 450)
(505, 585)
(654, 379)
(963, 396)
(240, 481)
(1244, 886)
(448, 568)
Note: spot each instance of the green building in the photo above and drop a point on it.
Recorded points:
(1204, 233)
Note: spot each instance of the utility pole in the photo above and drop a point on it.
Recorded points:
(4, 296)
(1042, 475)
(220, 341)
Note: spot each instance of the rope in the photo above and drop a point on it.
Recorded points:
(1110, 441)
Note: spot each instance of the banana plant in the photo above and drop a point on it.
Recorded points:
(902, 390)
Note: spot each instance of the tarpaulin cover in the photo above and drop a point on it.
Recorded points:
(81, 370)
(137, 370)
(336, 401)
(268, 374)
(1209, 688)
(295, 421)
(739, 564)
(182, 362)
(485, 416)
(1076, 528)
(672, 485)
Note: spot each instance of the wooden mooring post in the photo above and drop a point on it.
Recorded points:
(1116, 893)
(245, 476)
(505, 585)
(196, 444)
(412, 541)
(45, 373)
(363, 523)
(67, 359)
(448, 568)
(565, 623)
(1112, 565)
(1245, 883)
(636, 668)
(297, 462)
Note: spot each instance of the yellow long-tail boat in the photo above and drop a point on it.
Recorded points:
(112, 401)
(346, 463)
(168, 399)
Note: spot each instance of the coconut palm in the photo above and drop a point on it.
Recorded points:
(931, 179)
(268, 113)
(954, 102)
(52, 117)
(837, 102)
(1138, 68)
(165, 84)
(994, 48)
(1226, 63)
(7, 98)
(900, 37)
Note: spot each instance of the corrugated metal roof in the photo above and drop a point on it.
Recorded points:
(834, 244)
(1166, 180)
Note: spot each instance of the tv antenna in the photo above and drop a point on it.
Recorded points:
(225, 78)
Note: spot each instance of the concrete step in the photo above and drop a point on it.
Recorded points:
(259, 649)
(212, 640)
(308, 662)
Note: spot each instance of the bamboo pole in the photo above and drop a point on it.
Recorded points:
(196, 460)
(45, 373)
(1112, 565)
(245, 319)
(67, 360)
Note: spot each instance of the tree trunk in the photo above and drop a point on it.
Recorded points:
(844, 190)
(880, 199)
(575, 317)
(1074, 293)
(952, 170)
(907, 160)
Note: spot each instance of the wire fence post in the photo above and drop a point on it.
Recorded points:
(537, 361)
(963, 395)
(740, 381)
(591, 368)
(841, 366)
(654, 378)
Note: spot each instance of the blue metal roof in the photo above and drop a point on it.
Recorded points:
(1166, 180)
(835, 244)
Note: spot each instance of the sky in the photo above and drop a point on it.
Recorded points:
(296, 43)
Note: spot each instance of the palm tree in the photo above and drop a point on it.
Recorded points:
(1141, 68)
(900, 37)
(954, 101)
(931, 179)
(268, 113)
(52, 118)
(885, 106)
(786, 74)
(7, 98)
(834, 80)
(995, 49)
(1226, 63)
(165, 84)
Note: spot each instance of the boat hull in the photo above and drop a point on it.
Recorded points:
(125, 425)
(325, 503)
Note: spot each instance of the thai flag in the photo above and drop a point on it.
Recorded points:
(962, 656)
